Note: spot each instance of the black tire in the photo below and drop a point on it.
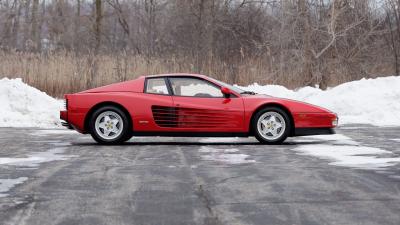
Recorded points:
(126, 133)
(283, 136)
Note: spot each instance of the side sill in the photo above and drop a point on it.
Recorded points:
(190, 134)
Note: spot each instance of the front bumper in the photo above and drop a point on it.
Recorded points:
(313, 131)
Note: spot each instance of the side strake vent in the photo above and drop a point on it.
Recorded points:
(192, 118)
(165, 116)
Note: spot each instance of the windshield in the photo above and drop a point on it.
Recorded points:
(233, 88)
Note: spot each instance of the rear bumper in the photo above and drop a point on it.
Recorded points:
(313, 131)
(64, 117)
(67, 125)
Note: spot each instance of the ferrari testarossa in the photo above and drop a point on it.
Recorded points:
(189, 105)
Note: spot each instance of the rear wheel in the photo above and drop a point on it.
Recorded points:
(109, 125)
(271, 125)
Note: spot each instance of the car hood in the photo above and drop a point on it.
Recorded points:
(293, 105)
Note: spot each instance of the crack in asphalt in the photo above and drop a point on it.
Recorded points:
(213, 217)
(308, 202)
(22, 211)
(204, 197)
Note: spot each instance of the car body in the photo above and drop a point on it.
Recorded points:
(190, 105)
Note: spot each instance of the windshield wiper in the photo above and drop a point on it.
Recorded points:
(248, 92)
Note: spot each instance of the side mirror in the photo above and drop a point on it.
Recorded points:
(226, 91)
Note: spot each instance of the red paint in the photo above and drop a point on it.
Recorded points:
(160, 113)
(226, 91)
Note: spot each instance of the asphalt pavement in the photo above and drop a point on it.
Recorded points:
(62, 177)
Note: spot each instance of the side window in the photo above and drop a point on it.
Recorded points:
(156, 86)
(192, 87)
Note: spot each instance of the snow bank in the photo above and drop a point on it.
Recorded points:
(25, 106)
(367, 101)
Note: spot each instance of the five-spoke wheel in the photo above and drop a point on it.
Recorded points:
(271, 125)
(109, 125)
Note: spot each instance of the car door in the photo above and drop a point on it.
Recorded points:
(155, 95)
(200, 106)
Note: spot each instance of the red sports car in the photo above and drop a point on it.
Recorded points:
(189, 105)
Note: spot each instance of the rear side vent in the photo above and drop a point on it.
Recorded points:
(165, 116)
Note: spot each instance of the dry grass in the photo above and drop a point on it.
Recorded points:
(65, 72)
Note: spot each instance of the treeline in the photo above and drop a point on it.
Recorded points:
(62, 46)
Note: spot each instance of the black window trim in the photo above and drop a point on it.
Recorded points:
(193, 77)
(166, 81)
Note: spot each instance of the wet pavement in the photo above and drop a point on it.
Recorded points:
(62, 177)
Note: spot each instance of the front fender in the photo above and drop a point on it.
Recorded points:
(304, 115)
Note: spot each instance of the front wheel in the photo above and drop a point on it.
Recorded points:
(109, 125)
(271, 125)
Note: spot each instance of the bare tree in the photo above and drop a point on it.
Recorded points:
(290, 42)
(35, 25)
(97, 25)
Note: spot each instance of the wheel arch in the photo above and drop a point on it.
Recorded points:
(106, 103)
(277, 105)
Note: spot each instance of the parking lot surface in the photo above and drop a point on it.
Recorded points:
(62, 177)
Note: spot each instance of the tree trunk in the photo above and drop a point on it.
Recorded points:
(307, 51)
(77, 25)
(34, 25)
(15, 28)
(26, 24)
(97, 26)
(150, 7)
(393, 44)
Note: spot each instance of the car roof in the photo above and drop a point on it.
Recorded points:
(175, 74)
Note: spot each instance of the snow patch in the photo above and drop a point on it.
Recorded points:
(360, 157)
(215, 150)
(25, 106)
(219, 140)
(7, 184)
(343, 151)
(228, 156)
(227, 140)
(366, 101)
(337, 139)
(53, 131)
(33, 160)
